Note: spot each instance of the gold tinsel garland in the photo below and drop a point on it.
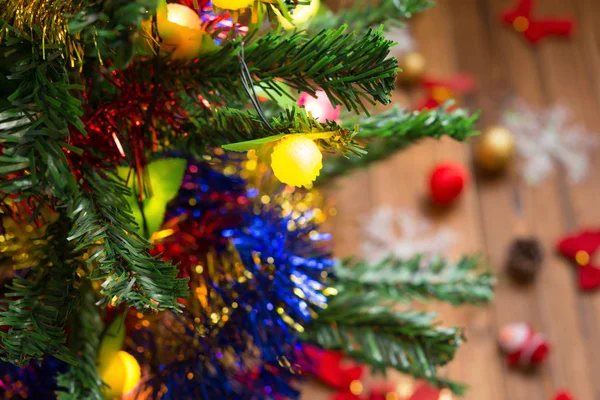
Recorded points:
(50, 16)
(19, 244)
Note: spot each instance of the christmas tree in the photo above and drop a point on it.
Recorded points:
(161, 224)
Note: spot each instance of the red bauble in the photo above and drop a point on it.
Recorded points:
(447, 182)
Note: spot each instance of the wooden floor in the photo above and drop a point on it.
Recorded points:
(467, 36)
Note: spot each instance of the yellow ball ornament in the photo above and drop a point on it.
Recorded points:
(121, 373)
(496, 149)
(180, 29)
(300, 15)
(296, 160)
(233, 4)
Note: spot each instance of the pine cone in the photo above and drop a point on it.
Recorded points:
(524, 259)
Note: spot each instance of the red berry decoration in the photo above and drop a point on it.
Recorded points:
(447, 182)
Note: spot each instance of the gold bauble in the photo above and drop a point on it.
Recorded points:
(413, 68)
(496, 149)
(180, 28)
(121, 373)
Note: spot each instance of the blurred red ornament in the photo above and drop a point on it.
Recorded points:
(534, 30)
(382, 392)
(447, 182)
(328, 367)
(319, 106)
(345, 396)
(378, 393)
(563, 395)
(425, 392)
(581, 248)
(439, 91)
(522, 345)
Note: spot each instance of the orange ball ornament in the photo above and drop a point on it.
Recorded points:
(296, 160)
(233, 4)
(180, 29)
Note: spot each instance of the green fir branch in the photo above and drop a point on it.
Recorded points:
(366, 14)
(352, 71)
(33, 162)
(408, 341)
(102, 222)
(457, 283)
(395, 129)
(112, 30)
(229, 125)
(38, 304)
(81, 381)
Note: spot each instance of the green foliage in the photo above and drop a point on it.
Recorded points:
(34, 156)
(401, 280)
(395, 129)
(363, 319)
(46, 106)
(82, 381)
(366, 14)
(102, 221)
(37, 305)
(229, 125)
(350, 70)
(357, 324)
(112, 29)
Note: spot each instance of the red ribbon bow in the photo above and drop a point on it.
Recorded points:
(534, 30)
(581, 248)
(438, 91)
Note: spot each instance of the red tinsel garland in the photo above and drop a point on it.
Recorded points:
(126, 127)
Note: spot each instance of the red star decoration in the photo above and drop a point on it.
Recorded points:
(581, 248)
(534, 30)
(439, 91)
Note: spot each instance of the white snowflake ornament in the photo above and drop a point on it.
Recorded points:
(403, 38)
(403, 235)
(544, 138)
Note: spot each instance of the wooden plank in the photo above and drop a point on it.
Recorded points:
(434, 31)
(501, 68)
(545, 219)
(466, 35)
(567, 67)
(584, 198)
